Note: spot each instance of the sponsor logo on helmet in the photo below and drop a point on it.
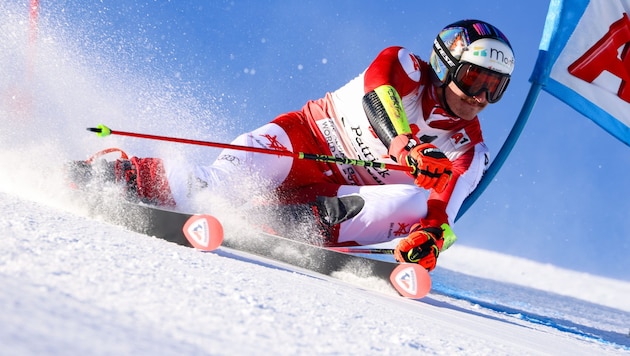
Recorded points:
(479, 51)
(496, 54)
(502, 57)
(492, 54)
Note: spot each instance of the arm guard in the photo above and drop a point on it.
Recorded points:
(384, 110)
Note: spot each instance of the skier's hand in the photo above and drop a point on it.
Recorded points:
(431, 168)
(421, 246)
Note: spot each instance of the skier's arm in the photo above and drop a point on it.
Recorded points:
(396, 70)
(433, 234)
(393, 73)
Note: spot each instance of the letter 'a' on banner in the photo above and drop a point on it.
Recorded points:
(583, 60)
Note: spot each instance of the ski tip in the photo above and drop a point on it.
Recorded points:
(204, 232)
(411, 280)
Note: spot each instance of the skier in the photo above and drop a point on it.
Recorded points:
(400, 109)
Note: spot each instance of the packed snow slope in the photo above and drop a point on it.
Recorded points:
(76, 285)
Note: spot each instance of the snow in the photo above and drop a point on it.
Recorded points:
(77, 285)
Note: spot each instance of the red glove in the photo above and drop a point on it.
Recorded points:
(431, 168)
(421, 246)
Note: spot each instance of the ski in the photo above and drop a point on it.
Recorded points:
(205, 232)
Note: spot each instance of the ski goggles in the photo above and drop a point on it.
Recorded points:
(473, 80)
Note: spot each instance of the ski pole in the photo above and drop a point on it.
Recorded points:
(371, 251)
(102, 131)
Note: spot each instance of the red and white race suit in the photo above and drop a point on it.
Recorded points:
(337, 125)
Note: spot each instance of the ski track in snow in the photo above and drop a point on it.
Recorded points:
(74, 285)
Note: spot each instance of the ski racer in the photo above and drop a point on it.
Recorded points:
(401, 109)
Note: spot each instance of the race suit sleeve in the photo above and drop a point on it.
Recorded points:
(395, 66)
(467, 172)
(394, 73)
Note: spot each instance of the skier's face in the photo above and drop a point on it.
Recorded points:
(462, 105)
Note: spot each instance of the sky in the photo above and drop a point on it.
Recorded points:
(213, 70)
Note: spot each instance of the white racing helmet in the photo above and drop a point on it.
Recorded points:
(476, 56)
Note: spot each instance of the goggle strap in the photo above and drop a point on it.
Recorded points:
(450, 61)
